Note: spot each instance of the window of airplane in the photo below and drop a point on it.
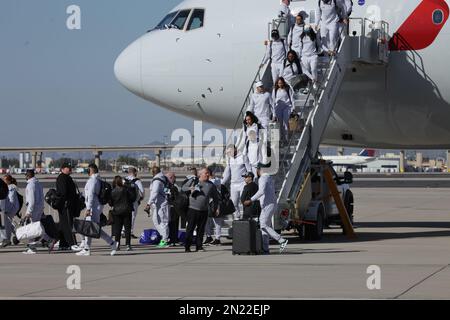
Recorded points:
(166, 21)
(180, 19)
(197, 19)
(438, 16)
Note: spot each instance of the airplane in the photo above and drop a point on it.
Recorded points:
(363, 157)
(200, 61)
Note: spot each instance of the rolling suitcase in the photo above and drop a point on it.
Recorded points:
(247, 237)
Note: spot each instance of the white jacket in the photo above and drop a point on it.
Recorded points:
(266, 191)
(158, 195)
(236, 168)
(290, 70)
(283, 99)
(261, 105)
(294, 36)
(277, 51)
(34, 194)
(91, 192)
(309, 48)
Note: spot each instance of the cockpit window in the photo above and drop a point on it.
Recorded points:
(180, 19)
(197, 19)
(166, 21)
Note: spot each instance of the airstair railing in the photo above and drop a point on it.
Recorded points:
(285, 165)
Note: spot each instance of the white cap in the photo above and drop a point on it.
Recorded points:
(259, 84)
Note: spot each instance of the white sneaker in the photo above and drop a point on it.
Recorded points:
(56, 246)
(77, 248)
(84, 252)
(283, 245)
(30, 251)
(114, 247)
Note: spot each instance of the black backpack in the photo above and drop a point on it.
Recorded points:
(52, 199)
(3, 190)
(133, 190)
(20, 198)
(104, 196)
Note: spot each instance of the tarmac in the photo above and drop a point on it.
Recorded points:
(404, 232)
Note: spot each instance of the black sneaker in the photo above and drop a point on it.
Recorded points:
(208, 241)
(201, 249)
(134, 237)
(187, 250)
(216, 243)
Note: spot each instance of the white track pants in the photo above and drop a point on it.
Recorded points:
(267, 230)
(329, 34)
(277, 71)
(160, 219)
(235, 194)
(309, 65)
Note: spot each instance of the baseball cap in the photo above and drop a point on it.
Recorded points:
(259, 84)
(248, 174)
(66, 165)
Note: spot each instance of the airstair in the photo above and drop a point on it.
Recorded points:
(365, 42)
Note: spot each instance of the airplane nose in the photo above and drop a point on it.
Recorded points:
(127, 68)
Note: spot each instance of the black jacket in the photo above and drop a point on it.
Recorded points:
(254, 210)
(120, 201)
(66, 190)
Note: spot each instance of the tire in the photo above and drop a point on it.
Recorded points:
(349, 204)
(315, 232)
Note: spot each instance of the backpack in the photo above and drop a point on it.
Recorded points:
(20, 198)
(52, 199)
(133, 190)
(3, 190)
(104, 196)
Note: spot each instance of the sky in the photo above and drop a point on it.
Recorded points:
(57, 86)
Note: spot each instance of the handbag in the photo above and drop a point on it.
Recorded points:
(87, 228)
(30, 231)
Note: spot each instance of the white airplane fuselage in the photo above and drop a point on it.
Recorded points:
(207, 73)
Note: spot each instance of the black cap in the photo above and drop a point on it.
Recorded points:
(275, 32)
(249, 174)
(66, 165)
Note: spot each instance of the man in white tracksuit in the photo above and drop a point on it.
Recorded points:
(159, 205)
(267, 198)
(132, 177)
(237, 166)
(295, 33)
(285, 12)
(34, 195)
(276, 53)
(261, 105)
(348, 9)
(94, 209)
(310, 51)
(329, 14)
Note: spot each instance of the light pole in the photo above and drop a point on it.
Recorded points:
(165, 151)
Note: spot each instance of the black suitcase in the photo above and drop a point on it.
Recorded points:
(247, 237)
(49, 226)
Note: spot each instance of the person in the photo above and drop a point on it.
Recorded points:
(159, 205)
(295, 33)
(199, 204)
(236, 167)
(68, 207)
(94, 209)
(261, 105)
(348, 9)
(174, 215)
(283, 99)
(292, 70)
(9, 208)
(190, 181)
(122, 208)
(134, 180)
(254, 141)
(276, 53)
(310, 55)
(266, 196)
(250, 189)
(34, 195)
(329, 14)
(285, 12)
(215, 220)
